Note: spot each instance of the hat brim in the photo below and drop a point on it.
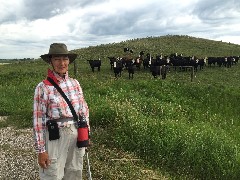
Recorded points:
(71, 57)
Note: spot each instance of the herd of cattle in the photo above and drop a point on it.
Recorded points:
(161, 64)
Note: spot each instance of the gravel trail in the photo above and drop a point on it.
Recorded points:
(17, 155)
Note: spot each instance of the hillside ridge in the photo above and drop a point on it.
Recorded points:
(186, 45)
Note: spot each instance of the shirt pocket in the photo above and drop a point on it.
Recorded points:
(54, 108)
(53, 100)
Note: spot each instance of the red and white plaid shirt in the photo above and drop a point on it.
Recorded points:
(49, 104)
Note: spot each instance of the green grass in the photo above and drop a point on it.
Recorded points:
(179, 128)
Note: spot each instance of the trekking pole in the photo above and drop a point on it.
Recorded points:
(88, 166)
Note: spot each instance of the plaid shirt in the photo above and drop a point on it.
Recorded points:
(49, 104)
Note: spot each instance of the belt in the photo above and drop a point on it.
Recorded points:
(65, 122)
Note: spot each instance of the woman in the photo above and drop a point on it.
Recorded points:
(58, 155)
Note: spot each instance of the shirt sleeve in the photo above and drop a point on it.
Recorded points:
(39, 117)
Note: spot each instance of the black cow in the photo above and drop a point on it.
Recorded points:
(194, 61)
(163, 70)
(221, 61)
(117, 67)
(168, 63)
(163, 60)
(126, 60)
(235, 59)
(212, 61)
(179, 61)
(159, 71)
(111, 61)
(126, 49)
(229, 62)
(130, 65)
(147, 61)
(202, 63)
(155, 69)
(95, 63)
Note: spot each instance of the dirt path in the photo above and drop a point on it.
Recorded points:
(19, 161)
(17, 157)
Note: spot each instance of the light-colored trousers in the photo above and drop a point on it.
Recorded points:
(66, 158)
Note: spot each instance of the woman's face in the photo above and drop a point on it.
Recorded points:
(60, 64)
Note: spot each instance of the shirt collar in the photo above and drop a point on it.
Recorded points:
(59, 78)
(53, 75)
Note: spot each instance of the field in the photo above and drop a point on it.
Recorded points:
(145, 128)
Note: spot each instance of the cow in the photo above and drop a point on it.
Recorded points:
(235, 59)
(117, 67)
(163, 70)
(139, 59)
(202, 63)
(175, 60)
(95, 63)
(194, 61)
(111, 61)
(126, 49)
(160, 60)
(147, 61)
(229, 62)
(157, 70)
(212, 61)
(179, 61)
(221, 61)
(168, 63)
(131, 68)
(126, 60)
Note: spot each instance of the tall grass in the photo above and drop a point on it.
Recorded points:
(184, 127)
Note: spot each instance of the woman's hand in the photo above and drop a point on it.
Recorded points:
(43, 160)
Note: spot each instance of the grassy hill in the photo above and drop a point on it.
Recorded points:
(186, 45)
(147, 128)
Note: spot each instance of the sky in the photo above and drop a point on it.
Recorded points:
(28, 27)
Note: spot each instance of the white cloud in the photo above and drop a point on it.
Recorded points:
(28, 27)
(10, 9)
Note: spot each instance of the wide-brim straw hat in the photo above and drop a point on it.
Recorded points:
(58, 49)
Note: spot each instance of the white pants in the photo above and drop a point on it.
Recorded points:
(66, 158)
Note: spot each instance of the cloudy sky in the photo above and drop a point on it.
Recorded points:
(28, 27)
